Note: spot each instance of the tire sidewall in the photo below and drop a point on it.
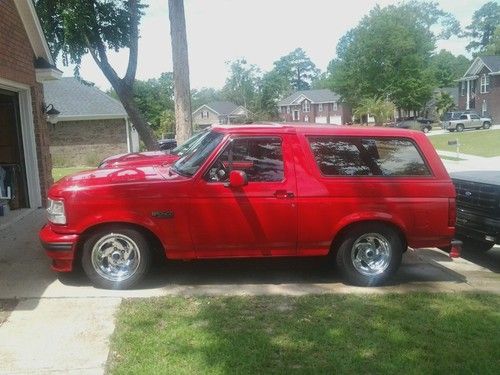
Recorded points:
(101, 282)
(486, 125)
(344, 259)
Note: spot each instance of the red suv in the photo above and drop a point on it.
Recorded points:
(362, 195)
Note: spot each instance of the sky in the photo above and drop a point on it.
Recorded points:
(261, 31)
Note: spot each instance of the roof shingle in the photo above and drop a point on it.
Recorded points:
(73, 98)
(315, 96)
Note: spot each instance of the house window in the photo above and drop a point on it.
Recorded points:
(320, 107)
(204, 114)
(334, 106)
(485, 83)
(463, 88)
(288, 109)
(306, 106)
(306, 118)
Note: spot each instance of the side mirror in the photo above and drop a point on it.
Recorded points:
(237, 179)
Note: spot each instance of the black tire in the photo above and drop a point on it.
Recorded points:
(451, 130)
(486, 125)
(460, 128)
(477, 245)
(125, 237)
(426, 130)
(349, 248)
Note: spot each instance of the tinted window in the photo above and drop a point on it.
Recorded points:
(474, 117)
(260, 158)
(198, 153)
(367, 157)
(463, 117)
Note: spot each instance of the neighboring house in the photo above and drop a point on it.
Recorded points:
(479, 88)
(315, 106)
(25, 62)
(219, 113)
(91, 126)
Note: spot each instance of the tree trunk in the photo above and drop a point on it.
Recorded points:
(145, 132)
(182, 93)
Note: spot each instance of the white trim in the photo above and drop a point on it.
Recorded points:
(204, 105)
(484, 86)
(48, 74)
(299, 99)
(62, 118)
(494, 74)
(31, 23)
(28, 137)
(240, 107)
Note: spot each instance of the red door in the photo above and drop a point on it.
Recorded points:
(259, 219)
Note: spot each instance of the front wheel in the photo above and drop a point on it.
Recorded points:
(369, 254)
(426, 129)
(115, 257)
(460, 128)
(486, 125)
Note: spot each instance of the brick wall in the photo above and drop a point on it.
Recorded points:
(17, 64)
(77, 143)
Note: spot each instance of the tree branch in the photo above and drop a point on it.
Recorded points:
(134, 42)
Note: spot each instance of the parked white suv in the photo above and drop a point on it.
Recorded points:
(468, 121)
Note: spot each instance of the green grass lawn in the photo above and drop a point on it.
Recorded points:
(322, 334)
(58, 173)
(475, 142)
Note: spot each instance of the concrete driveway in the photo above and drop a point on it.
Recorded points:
(63, 324)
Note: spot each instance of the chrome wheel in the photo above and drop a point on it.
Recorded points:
(371, 254)
(115, 257)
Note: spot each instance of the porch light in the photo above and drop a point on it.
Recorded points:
(51, 113)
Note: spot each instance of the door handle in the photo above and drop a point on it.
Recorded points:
(283, 194)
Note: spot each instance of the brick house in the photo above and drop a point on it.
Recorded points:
(219, 113)
(90, 127)
(25, 62)
(479, 88)
(315, 106)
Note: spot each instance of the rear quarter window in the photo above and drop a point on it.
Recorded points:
(366, 156)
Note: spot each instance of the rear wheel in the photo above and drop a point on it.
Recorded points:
(116, 257)
(369, 254)
(486, 125)
(460, 128)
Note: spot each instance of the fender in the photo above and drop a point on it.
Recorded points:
(369, 216)
(119, 216)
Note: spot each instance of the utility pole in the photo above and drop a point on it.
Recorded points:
(182, 92)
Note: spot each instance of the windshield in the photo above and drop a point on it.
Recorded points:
(182, 149)
(198, 153)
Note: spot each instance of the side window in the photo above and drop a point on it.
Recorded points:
(260, 158)
(367, 157)
(463, 117)
(474, 117)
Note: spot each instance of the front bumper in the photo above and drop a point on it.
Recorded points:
(477, 227)
(61, 248)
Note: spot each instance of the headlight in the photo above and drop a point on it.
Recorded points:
(55, 212)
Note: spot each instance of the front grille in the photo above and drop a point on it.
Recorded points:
(478, 196)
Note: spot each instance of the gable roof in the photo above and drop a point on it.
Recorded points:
(492, 63)
(221, 108)
(314, 96)
(78, 101)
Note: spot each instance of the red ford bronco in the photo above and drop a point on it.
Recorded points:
(361, 195)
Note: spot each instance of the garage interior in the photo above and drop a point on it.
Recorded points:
(13, 184)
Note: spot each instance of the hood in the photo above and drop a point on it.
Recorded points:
(105, 178)
(139, 159)
(485, 177)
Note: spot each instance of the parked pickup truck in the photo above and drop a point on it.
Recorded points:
(468, 121)
(360, 195)
(478, 208)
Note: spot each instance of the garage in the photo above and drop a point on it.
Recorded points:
(13, 186)
(336, 120)
(321, 120)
